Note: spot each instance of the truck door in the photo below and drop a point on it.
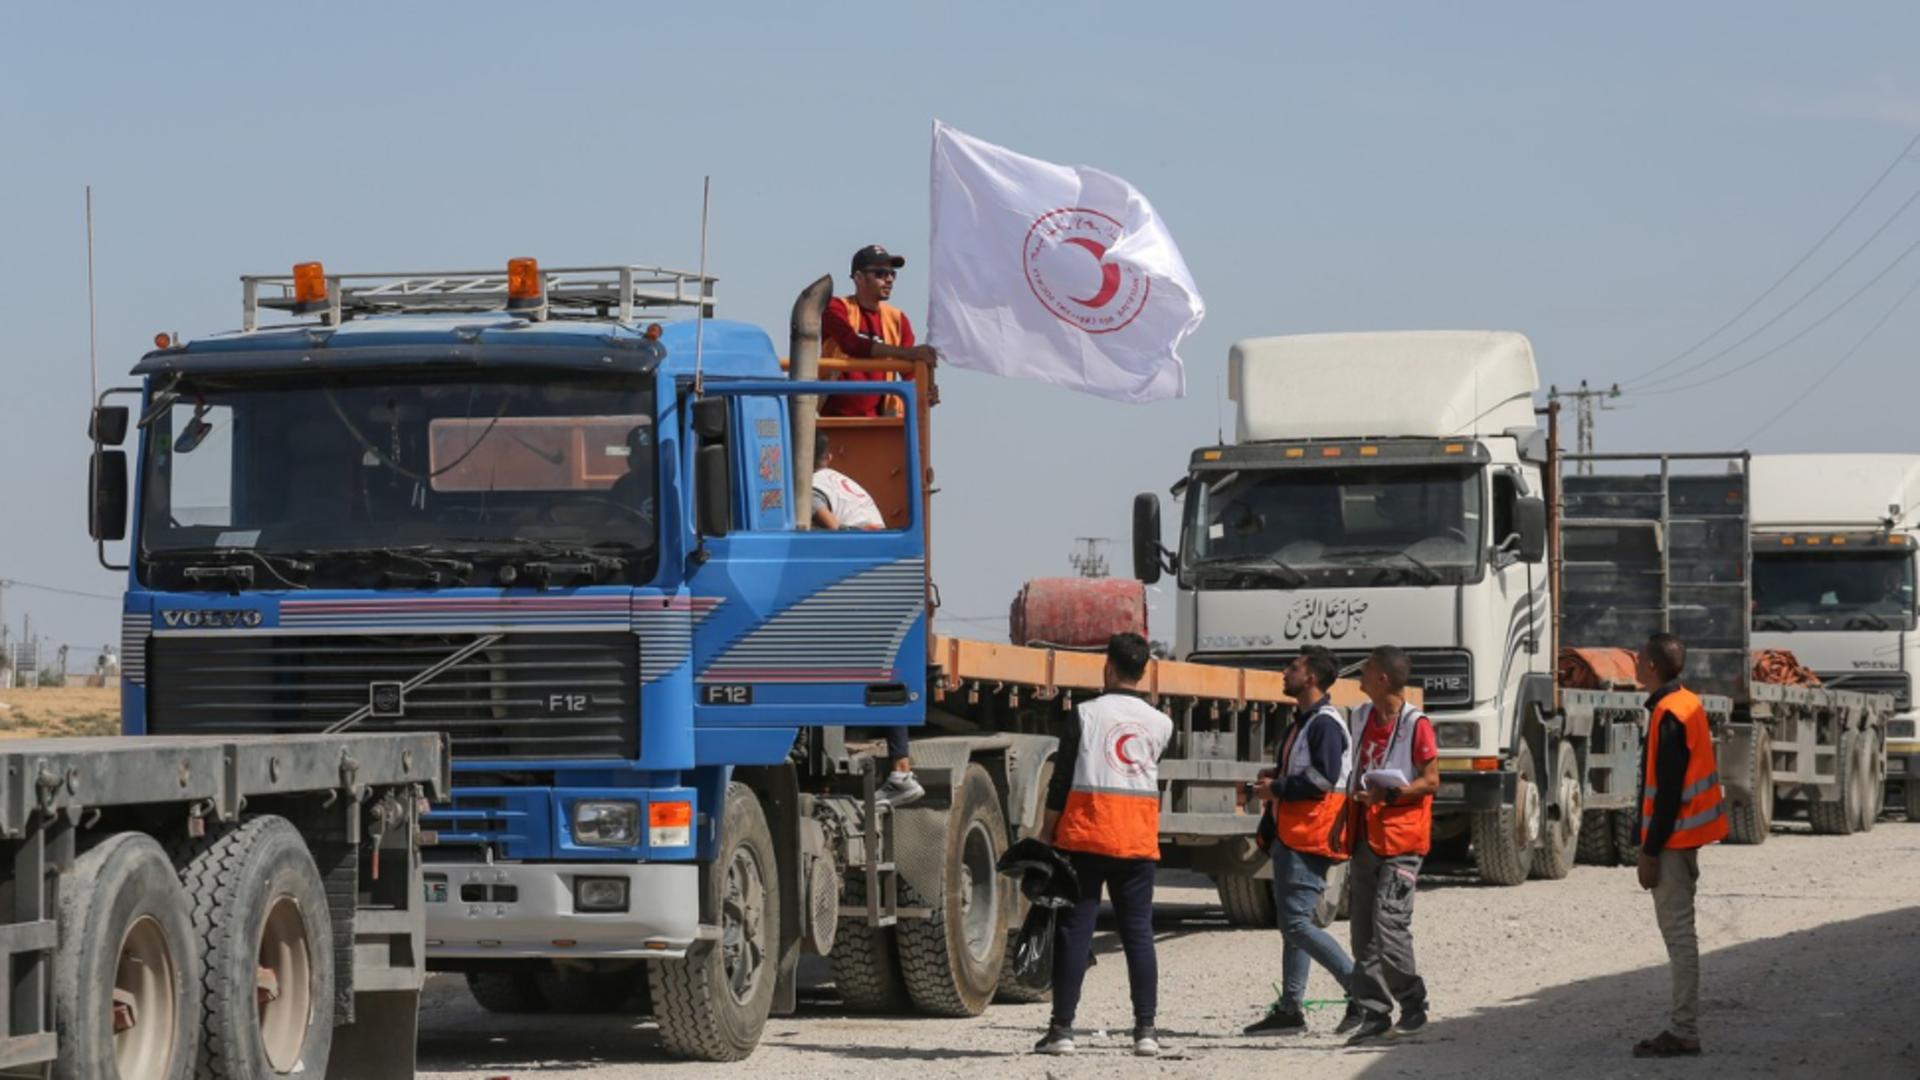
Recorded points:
(805, 627)
(1520, 594)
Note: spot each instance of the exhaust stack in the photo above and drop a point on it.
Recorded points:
(803, 365)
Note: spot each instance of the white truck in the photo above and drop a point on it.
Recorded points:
(1834, 542)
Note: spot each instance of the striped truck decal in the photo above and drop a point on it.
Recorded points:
(134, 628)
(587, 612)
(666, 625)
(849, 631)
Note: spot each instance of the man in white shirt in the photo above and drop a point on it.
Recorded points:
(839, 502)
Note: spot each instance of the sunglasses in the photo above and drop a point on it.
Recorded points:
(881, 272)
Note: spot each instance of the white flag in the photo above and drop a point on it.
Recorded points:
(1062, 274)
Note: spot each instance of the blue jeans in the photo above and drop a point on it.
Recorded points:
(1298, 880)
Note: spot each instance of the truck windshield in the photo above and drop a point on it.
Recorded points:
(1369, 525)
(388, 479)
(1829, 590)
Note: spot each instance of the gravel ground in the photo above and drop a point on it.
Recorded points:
(1812, 945)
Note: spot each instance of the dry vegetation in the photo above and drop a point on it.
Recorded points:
(61, 710)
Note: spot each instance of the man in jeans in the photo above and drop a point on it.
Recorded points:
(1304, 829)
(1395, 775)
(1103, 811)
(1680, 813)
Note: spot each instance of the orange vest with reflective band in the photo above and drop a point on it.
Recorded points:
(1701, 820)
(1405, 828)
(1113, 805)
(1316, 826)
(892, 322)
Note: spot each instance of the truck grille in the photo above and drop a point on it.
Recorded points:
(527, 696)
(1895, 683)
(1445, 676)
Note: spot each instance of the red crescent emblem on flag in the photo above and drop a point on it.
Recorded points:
(1065, 258)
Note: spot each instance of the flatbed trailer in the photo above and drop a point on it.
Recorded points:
(199, 905)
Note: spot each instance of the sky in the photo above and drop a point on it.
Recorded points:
(1615, 181)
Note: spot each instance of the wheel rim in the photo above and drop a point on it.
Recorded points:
(284, 984)
(979, 895)
(1526, 804)
(1763, 789)
(144, 1002)
(1568, 826)
(743, 945)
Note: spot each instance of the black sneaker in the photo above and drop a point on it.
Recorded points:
(1411, 1020)
(1145, 1044)
(1347, 1023)
(1278, 1021)
(1057, 1041)
(1372, 1026)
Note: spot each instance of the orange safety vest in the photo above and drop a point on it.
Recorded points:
(1316, 826)
(1702, 820)
(1113, 805)
(892, 327)
(1403, 828)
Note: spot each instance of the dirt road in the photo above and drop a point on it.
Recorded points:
(1813, 947)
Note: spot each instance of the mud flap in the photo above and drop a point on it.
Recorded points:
(1734, 752)
(380, 1043)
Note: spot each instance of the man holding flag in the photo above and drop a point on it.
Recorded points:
(1056, 273)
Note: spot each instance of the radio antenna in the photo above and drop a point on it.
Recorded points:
(93, 362)
(700, 319)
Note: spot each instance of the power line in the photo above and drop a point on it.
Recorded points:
(1801, 299)
(1798, 263)
(1800, 399)
(6, 583)
(1803, 332)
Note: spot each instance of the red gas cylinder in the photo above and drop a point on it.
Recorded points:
(1077, 613)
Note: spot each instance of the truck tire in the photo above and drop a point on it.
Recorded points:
(713, 1004)
(866, 959)
(1504, 838)
(260, 908)
(1626, 835)
(1750, 817)
(127, 952)
(1334, 899)
(1868, 760)
(1910, 794)
(1595, 846)
(1839, 816)
(506, 992)
(1248, 900)
(951, 961)
(1559, 836)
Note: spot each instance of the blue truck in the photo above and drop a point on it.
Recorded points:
(515, 510)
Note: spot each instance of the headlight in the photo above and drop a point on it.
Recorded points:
(606, 824)
(1457, 734)
(600, 894)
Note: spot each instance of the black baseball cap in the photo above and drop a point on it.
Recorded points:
(875, 255)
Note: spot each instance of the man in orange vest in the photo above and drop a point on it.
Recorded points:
(1304, 831)
(865, 327)
(1394, 778)
(1680, 813)
(1103, 811)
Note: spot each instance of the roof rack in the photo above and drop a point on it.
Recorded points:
(579, 291)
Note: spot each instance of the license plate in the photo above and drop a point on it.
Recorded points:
(1896, 766)
(436, 892)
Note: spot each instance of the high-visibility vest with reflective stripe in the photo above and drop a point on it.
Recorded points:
(1316, 826)
(892, 327)
(1404, 828)
(1702, 819)
(1113, 805)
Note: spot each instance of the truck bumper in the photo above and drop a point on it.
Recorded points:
(1463, 790)
(1903, 765)
(529, 910)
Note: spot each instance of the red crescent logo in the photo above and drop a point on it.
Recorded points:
(1054, 258)
(1120, 748)
(1109, 273)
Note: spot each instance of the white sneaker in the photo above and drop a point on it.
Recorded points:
(1144, 1043)
(900, 789)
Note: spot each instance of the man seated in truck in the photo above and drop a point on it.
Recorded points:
(865, 327)
(632, 493)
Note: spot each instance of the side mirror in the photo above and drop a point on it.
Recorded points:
(1530, 521)
(713, 490)
(109, 426)
(1146, 537)
(107, 494)
(710, 419)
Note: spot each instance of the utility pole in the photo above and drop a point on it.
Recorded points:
(1089, 557)
(1587, 403)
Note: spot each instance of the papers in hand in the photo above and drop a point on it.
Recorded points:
(1381, 779)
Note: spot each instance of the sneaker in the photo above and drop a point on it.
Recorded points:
(1372, 1026)
(1411, 1020)
(1057, 1041)
(1279, 1020)
(1144, 1043)
(900, 789)
(1347, 1023)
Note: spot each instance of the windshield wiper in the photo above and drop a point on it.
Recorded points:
(435, 568)
(563, 560)
(1771, 621)
(1264, 566)
(1433, 576)
(1874, 622)
(235, 576)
